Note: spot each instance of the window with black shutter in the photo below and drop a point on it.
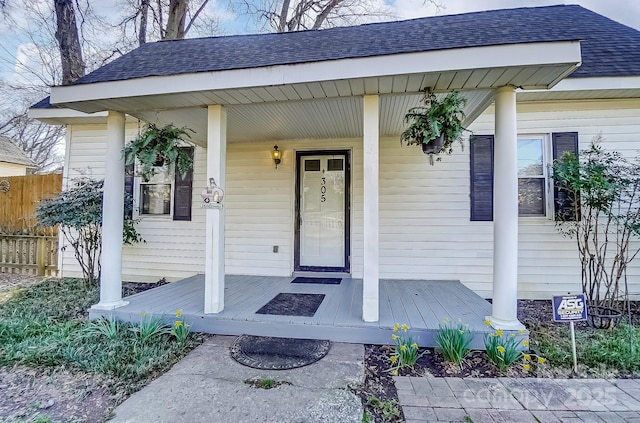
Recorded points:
(182, 192)
(564, 201)
(532, 175)
(129, 174)
(167, 193)
(481, 152)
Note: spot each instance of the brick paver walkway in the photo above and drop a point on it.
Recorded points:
(425, 399)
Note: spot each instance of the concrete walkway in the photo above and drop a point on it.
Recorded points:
(518, 400)
(209, 386)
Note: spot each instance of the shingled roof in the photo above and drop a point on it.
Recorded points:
(608, 47)
(11, 153)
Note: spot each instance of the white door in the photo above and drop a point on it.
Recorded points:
(322, 211)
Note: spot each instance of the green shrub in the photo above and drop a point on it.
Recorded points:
(453, 341)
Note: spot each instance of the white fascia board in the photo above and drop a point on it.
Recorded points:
(62, 113)
(508, 55)
(601, 83)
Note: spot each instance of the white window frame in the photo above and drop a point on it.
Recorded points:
(137, 195)
(547, 160)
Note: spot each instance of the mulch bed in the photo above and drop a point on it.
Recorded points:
(379, 382)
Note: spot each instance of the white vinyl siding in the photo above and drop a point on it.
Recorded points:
(260, 202)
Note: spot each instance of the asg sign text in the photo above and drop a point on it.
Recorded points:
(569, 307)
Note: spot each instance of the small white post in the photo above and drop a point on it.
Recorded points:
(505, 213)
(214, 229)
(112, 216)
(370, 280)
(573, 346)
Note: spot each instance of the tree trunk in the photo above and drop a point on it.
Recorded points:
(176, 19)
(144, 11)
(73, 66)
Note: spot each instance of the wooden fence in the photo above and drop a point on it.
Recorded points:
(29, 255)
(19, 196)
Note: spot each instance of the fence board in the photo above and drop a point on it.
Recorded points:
(18, 202)
(29, 255)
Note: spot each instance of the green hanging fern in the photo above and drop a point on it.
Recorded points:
(159, 145)
(436, 118)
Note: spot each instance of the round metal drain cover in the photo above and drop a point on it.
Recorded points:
(268, 353)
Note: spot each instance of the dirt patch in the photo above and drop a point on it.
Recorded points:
(60, 395)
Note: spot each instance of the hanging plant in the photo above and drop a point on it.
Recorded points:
(159, 146)
(436, 125)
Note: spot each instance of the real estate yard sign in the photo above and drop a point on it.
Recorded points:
(570, 308)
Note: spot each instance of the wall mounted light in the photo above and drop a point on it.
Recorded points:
(276, 155)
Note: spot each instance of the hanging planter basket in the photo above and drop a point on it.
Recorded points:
(435, 125)
(603, 317)
(158, 146)
(434, 146)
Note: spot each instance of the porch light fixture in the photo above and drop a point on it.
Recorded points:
(276, 155)
(213, 193)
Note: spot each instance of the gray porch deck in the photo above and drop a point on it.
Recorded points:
(423, 305)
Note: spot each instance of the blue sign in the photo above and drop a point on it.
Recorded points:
(567, 308)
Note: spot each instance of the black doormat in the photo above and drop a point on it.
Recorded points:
(324, 281)
(304, 305)
(263, 352)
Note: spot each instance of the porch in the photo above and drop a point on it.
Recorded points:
(423, 305)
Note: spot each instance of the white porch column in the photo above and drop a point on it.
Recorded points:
(214, 254)
(112, 216)
(505, 213)
(371, 139)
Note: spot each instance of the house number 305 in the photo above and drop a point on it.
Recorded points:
(323, 190)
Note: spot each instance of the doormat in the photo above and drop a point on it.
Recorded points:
(264, 352)
(303, 305)
(324, 281)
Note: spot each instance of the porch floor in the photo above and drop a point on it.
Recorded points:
(423, 305)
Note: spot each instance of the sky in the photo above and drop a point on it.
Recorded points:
(14, 46)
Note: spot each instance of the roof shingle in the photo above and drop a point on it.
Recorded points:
(608, 47)
(11, 153)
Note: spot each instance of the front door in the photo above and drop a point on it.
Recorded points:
(322, 211)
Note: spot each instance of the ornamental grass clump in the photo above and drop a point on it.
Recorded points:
(453, 341)
(405, 352)
(504, 350)
(149, 328)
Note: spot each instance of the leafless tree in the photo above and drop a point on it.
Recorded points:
(164, 19)
(73, 66)
(298, 15)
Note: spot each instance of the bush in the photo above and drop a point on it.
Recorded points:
(78, 212)
(453, 341)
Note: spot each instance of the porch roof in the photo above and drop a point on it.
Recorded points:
(470, 51)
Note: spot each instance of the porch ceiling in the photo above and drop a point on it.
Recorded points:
(311, 119)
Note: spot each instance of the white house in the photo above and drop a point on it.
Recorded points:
(346, 198)
(13, 161)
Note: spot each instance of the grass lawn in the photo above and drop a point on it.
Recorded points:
(44, 327)
(601, 352)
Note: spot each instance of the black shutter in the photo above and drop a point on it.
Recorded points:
(481, 147)
(564, 201)
(129, 171)
(183, 192)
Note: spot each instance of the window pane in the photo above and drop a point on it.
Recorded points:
(156, 198)
(531, 196)
(312, 166)
(530, 157)
(334, 165)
